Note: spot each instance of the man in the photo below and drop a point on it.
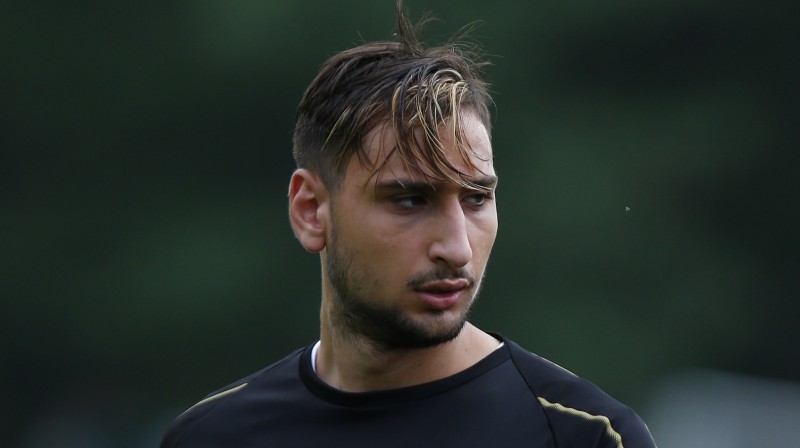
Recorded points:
(395, 191)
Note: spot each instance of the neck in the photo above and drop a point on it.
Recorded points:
(353, 364)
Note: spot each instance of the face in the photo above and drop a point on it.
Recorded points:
(405, 254)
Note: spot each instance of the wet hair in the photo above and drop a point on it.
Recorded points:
(398, 84)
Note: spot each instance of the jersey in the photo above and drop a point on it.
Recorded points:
(511, 398)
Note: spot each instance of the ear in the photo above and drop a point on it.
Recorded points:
(308, 209)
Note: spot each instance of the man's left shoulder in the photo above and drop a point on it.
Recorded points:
(571, 402)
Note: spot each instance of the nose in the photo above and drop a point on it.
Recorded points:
(450, 244)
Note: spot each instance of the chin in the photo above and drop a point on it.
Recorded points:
(418, 335)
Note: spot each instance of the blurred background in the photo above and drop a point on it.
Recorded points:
(648, 205)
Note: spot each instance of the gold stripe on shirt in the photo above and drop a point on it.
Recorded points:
(219, 395)
(585, 415)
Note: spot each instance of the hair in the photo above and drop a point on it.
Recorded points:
(399, 84)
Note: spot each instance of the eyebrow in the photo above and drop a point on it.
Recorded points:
(488, 182)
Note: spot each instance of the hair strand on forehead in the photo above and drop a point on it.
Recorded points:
(420, 93)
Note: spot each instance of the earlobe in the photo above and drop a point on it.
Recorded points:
(308, 209)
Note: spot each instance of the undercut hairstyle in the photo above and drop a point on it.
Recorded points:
(416, 92)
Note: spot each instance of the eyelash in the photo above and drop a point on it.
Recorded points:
(402, 201)
(476, 200)
(482, 197)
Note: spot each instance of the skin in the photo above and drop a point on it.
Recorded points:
(410, 253)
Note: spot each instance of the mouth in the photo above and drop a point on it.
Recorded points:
(441, 295)
(444, 286)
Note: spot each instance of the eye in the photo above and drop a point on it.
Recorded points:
(478, 199)
(408, 201)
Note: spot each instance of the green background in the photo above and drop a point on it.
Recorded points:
(648, 201)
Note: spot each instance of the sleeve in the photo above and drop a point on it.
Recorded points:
(632, 430)
(181, 425)
(580, 413)
(189, 418)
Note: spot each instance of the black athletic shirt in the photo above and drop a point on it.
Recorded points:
(511, 398)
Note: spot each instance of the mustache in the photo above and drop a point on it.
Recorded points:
(432, 276)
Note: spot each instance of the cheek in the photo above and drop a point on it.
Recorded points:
(485, 243)
(484, 235)
(373, 243)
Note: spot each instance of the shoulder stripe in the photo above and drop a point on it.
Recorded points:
(585, 415)
(219, 395)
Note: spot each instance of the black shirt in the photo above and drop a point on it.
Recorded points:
(511, 398)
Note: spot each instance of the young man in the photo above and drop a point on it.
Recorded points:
(395, 191)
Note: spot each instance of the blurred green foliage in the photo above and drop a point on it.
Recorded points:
(648, 200)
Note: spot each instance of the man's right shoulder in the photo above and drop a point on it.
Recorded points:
(201, 410)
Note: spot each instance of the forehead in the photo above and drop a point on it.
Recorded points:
(383, 160)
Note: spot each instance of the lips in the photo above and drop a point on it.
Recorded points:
(441, 294)
(444, 286)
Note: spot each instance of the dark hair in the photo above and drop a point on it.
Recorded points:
(400, 84)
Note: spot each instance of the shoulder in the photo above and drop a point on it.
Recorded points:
(580, 413)
(200, 411)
